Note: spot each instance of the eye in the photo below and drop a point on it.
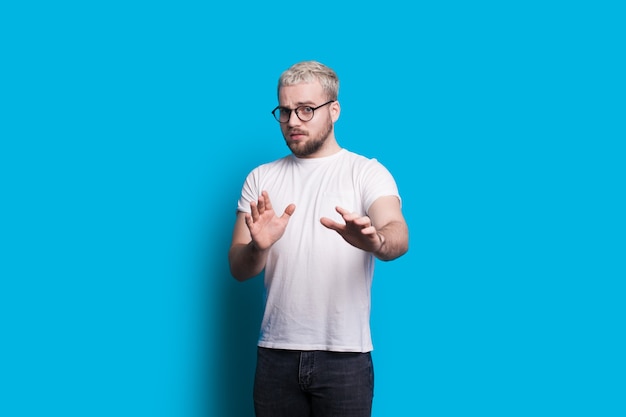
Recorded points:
(306, 109)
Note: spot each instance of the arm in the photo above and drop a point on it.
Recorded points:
(383, 232)
(246, 260)
(386, 216)
(253, 236)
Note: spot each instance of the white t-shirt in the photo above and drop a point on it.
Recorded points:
(318, 285)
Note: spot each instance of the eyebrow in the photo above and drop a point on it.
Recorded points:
(301, 103)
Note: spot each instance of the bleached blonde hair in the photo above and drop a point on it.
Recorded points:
(310, 71)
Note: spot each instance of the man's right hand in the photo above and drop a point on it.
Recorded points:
(264, 225)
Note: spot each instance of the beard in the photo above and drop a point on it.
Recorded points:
(312, 145)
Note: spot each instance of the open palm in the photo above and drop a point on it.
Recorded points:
(264, 225)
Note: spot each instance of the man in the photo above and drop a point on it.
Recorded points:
(315, 221)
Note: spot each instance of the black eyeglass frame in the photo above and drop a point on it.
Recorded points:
(296, 111)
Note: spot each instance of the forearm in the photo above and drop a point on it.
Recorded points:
(246, 261)
(394, 239)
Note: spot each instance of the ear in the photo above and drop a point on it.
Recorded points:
(335, 110)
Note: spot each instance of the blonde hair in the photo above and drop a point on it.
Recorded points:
(310, 71)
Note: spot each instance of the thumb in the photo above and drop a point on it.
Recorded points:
(329, 223)
(289, 210)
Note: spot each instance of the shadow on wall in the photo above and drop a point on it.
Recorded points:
(232, 310)
(234, 317)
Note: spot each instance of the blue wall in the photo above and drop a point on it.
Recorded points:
(127, 129)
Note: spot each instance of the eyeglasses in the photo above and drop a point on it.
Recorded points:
(304, 113)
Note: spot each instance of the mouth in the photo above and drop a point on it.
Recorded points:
(296, 134)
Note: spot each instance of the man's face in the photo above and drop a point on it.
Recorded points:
(306, 139)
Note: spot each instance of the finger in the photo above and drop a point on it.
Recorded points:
(266, 200)
(254, 212)
(249, 221)
(363, 221)
(261, 204)
(331, 224)
(289, 210)
(371, 230)
(347, 215)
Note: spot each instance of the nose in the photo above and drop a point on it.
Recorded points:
(294, 120)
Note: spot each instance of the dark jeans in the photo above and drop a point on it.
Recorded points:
(291, 383)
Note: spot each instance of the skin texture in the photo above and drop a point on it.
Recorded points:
(382, 232)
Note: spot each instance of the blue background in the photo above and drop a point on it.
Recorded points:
(127, 129)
